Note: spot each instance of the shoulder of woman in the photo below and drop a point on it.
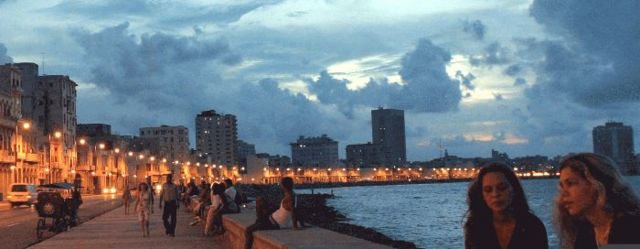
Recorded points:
(628, 221)
(533, 221)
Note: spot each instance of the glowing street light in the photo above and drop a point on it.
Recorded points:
(57, 134)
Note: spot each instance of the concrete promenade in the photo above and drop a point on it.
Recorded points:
(115, 230)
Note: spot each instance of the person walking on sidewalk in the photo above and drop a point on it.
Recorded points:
(151, 191)
(143, 207)
(126, 197)
(169, 196)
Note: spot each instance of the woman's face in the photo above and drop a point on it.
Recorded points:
(577, 195)
(497, 192)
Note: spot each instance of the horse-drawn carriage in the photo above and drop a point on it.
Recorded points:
(57, 207)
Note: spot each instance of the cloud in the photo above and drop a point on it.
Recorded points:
(596, 62)
(171, 78)
(476, 28)
(157, 69)
(520, 82)
(493, 54)
(426, 86)
(4, 57)
(513, 70)
(466, 80)
(165, 13)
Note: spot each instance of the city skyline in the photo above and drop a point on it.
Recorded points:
(471, 76)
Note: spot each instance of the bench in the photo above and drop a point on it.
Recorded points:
(314, 237)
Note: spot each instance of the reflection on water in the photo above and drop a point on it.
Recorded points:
(431, 215)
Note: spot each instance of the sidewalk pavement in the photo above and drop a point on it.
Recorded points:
(116, 230)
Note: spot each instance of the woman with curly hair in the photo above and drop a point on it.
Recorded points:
(498, 215)
(594, 206)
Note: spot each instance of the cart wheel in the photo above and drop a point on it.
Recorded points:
(40, 228)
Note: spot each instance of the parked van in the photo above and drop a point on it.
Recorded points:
(22, 193)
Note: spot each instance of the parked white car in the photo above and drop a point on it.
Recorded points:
(22, 193)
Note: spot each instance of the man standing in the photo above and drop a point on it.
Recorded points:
(152, 192)
(169, 196)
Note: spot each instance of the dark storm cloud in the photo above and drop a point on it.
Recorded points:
(4, 57)
(158, 69)
(476, 28)
(169, 79)
(597, 62)
(270, 113)
(427, 87)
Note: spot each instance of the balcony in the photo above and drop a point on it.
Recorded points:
(7, 157)
(32, 157)
(29, 157)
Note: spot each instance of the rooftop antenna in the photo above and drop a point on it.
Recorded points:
(440, 147)
(43, 53)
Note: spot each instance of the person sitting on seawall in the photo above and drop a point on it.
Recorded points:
(595, 207)
(232, 195)
(280, 219)
(213, 223)
(498, 215)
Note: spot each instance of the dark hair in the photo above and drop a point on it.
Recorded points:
(262, 208)
(142, 184)
(287, 183)
(602, 173)
(228, 182)
(479, 212)
(218, 189)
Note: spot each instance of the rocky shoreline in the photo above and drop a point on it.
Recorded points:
(314, 210)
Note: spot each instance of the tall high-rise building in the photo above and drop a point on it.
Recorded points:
(173, 140)
(615, 140)
(29, 73)
(387, 128)
(315, 151)
(217, 137)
